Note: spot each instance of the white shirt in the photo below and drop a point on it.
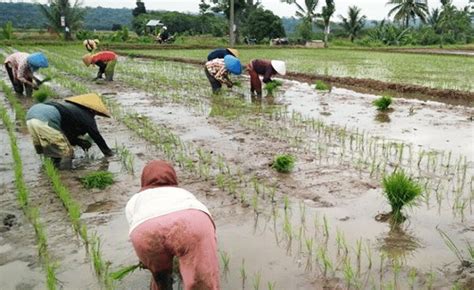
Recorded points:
(155, 202)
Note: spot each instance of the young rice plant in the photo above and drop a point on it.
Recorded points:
(383, 103)
(400, 190)
(284, 163)
(99, 179)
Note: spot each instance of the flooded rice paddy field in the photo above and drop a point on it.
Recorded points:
(312, 229)
(434, 71)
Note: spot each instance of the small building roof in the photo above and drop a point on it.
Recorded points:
(154, 22)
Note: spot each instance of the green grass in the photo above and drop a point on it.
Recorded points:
(383, 103)
(98, 179)
(321, 86)
(437, 71)
(284, 163)
(400, 191)
(125, 271)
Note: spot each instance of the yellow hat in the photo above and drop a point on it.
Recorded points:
(234, 51)
(87, 59)
(90, 101)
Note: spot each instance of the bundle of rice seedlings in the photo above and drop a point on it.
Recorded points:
(321, 86)
(125, 271)
(400, 191)
(98, 179)
(383, 103)
(272, 87)
(284, 163)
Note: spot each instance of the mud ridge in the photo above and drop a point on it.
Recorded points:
(358, 84)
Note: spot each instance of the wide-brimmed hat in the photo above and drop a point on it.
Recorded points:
(279, 66)
(234, 51)
(87, 59)
(232, 64)
(91, 44)
(37, 60)
(90, 101)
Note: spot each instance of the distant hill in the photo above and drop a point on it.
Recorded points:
(28, 15)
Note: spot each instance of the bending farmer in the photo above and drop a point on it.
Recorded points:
(105, 60)
(222, 52)
(167, 221)
(265, 68)
(55, 127)
(20, 67)
(217, 71)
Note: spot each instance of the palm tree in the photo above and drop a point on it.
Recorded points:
(354, 22)
(406, 9)
(326, 14)
(63, 17)
(306, 12)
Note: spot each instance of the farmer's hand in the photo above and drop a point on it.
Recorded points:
(84, 144)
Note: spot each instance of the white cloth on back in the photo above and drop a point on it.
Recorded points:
(159, 201)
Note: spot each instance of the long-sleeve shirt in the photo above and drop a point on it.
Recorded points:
(77, 121)
(159, 201)
(103, 56)
(264, 68)
(18, 61)
(218, 53)
(217, 69)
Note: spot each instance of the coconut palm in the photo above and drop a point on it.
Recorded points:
(354, 22)
(307, 11)
(406, 9)
(326, 14)
(73, 16)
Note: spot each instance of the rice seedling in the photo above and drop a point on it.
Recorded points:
(326, 227)
(272, 87)
(225, 258)
(98, 179)
(321, 86)
(400, 191)
(243, 273)
(382, 103)
(284, 163)
(256, 280)
(127, 158)
(465, 261)
(43, 93)
(123, 272)
(412, 273)
(271, 285)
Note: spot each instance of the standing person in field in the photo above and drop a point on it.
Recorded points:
(20, 67)
(217, 71)
(222, 52)
(57, 126)
(167, 221)
(91, 44)
(265, 68)
(105, 60)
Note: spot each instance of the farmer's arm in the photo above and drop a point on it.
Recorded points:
(267, 77)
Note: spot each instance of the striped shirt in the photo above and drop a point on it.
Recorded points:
(19, 64)
(217, 69)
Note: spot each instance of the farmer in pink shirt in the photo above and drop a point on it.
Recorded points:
(105, 60)
(20, 67)
(167, 221)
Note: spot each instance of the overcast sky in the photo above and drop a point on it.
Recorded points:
(373, 9)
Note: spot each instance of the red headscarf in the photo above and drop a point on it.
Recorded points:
(158, 173)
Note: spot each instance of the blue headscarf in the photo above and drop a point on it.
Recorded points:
(37, 60)
(232, 64)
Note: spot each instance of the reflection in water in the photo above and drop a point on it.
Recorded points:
(382, 117)
(397, 243)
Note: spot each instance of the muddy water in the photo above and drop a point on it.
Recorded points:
(425, 124)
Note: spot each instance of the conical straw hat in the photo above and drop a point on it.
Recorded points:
(234, 51)
(90, 101)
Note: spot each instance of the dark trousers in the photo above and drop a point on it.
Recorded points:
(18, 86)
(102, 65)
(215, 84)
